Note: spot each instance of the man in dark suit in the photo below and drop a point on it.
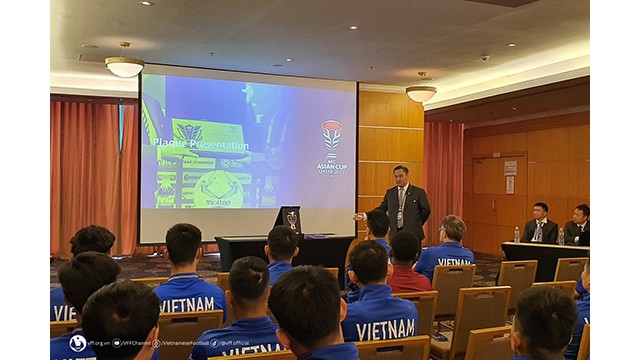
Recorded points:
(573, 230)
(406, 203)
(540, 229)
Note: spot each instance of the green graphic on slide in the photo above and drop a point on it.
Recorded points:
(218, 189)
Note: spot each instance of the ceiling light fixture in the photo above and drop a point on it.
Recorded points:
(124, 66)
(421, 93)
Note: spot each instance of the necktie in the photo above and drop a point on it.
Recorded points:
(537, 236)
(400, 208)
(580, 228)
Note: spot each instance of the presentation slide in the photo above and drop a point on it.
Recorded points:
(225, 150)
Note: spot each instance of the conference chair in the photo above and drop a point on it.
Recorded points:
(489, 344)
(569, 268)
(520, 275)
(585, 349)
(334, 271)
(447, 280)
(178, 331)
(152, 281)
(567, 287)
(272, 355)
(426, 302)
(478, 308)
(409, 348)
(223, 283)
(59, 328)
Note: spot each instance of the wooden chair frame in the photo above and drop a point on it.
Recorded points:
(489, 344)
(426, 302)
(569, 268)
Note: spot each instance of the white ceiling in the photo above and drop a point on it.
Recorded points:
(395, 40)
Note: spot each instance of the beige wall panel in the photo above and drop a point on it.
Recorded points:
(510, 209)
(387, 109)
(376, 178)
(485, 176)
(579, 178)
(548, 179)
(391, 144)
(548, 145)
(482, 211)
(579, 142)
(508, 143)
(484, 239)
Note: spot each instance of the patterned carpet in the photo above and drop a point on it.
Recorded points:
(208, 268)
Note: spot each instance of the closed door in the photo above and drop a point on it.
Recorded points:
(498, 201)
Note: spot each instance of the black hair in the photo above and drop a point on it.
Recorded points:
(282, 242)
(249, 279)
(544, 206)
(84, 274)
(378, 223)
(545, 317)
(92, 238)
(403, 168)
(126, 310)
(306, 304)
(584, 208)
(183, 241)
(369, 262)
(405, 247)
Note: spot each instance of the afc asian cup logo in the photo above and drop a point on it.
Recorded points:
(331, 131)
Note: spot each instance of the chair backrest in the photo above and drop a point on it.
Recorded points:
(584, 350)
(334, 271)
(152, 281)
(180, 330)
(478, 308)
(59, 328)
(272, 355)
(447, 280)
(223, 283)
(568, 287)
(426, 302)
(569, 268)
(412, 347)
(520, 275)
(489, 344)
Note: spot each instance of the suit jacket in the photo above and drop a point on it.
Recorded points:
(549, 232)
(571, 232)
(415, 213)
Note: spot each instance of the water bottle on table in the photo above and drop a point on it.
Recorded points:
(561, 236)
(516, 235)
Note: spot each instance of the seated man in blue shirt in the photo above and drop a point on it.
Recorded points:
(81, 277)
(377, 230)
(378, 315)
(307, 305)
(449, 252)
(583, 306)
(127, 311)
(90, 238)
(185, 290)
(252, 330)
(281, 248)
(542, 324)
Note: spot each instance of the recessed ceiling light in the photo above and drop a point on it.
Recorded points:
(353, 27)
(289, 59)
(514, 108)
(511, 44)
(146, 3)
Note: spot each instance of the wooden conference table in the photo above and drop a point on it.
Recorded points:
(546, 254)
(325, 250)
